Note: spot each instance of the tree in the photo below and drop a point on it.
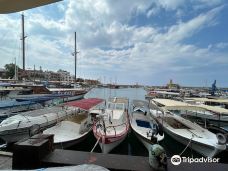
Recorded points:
(10, 70)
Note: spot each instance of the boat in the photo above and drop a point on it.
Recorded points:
(25, 125)
(202, 108)
(69, 93)
(75, 128)
(146, 129)
(186, 132)
(112, 127)
(64, 95)
(12, 107)
(41, 94)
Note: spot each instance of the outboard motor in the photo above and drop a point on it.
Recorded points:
(221, 139)
(157, 157)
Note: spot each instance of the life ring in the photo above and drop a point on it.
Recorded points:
(221, 138)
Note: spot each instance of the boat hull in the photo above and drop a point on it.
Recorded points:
(67, 144)
(107, 147)
(23, 133)
(203, 149)
(147, 144)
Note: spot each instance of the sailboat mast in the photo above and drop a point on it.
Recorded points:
(15, 69)
(23, 41)
(75, 57)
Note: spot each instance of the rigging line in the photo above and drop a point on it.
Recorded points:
(4, 35)
(15, 40)
(27, 52)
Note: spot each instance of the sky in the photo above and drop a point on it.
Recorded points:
(125, 41)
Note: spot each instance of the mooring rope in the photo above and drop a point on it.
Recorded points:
(95, 144)
(187, 145)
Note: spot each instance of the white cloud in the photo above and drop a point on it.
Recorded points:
(222, 45)
(109, 44)
(170, 4)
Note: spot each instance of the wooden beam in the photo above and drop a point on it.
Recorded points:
(10, 6)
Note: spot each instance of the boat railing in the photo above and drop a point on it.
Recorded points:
(115, 126)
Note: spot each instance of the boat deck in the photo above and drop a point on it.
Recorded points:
(43, 111)
(118, 100)
(140, 103)
(175, 123)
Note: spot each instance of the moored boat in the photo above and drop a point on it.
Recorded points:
(113, 125)
(22, 126)
(146, 129)
(188, 133)
(12, 107)
(76, 128)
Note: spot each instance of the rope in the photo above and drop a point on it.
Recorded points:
(61, 145)
(95, 144)
(187, 145)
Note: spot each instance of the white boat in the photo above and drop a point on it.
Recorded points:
(76, 128)
(188, 133)
(144, 127)
(22, 126)
(67, 133)
(113, 125)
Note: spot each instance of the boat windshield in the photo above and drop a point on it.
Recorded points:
(116, 106)
(119, 106)
(111, 106)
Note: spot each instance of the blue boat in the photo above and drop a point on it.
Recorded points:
(12, 107)
(13, 103)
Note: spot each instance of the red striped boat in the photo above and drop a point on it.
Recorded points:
(113, 125)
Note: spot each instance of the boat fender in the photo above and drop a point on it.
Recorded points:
(157, 157)
(221, 138)
(34, 129)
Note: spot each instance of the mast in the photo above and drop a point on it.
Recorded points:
(23, 40)
(15, 69)
(75, 57)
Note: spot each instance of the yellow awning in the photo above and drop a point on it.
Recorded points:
(222, 101)
(177, 105)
